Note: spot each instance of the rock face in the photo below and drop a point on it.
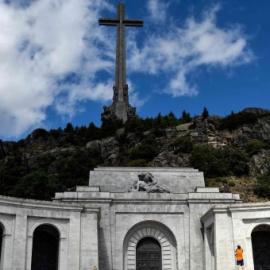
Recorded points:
(94, 145)
(6, 148)
(260, 163)
(168, 159)
(200, 130)
(257, 111)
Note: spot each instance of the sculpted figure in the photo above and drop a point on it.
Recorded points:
(146, 183)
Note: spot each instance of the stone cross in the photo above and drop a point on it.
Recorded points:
(120, 99)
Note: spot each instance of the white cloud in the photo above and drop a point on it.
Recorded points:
(180, 51)
(134, 98)
(157, 10)
(97, 92)
(41, 44)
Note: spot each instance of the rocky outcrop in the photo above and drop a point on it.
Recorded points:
(260, 163)
(94, 145)
(168, 159)
(257, 111)
(6, 148)
(109, 146)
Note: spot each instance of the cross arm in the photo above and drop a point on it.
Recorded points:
(107, 21)
(129, 22)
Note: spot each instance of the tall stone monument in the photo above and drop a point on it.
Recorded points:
(120, 108)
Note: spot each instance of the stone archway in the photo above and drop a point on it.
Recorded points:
(261, 247)
(154, 230)
(45, 248)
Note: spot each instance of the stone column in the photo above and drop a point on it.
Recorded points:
(89, 240)
(29, 251)
(6, 256)
(20, 242)
(62, 257)
(74, 242)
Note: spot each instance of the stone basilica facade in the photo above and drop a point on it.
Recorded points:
(119, 223)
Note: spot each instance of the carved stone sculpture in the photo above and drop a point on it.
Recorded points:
(147, 183)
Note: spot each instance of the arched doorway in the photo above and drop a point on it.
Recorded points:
(148, 254)
(261, 247)
(45, 248)
(154, 230)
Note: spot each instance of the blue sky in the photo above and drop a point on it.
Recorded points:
(57, 63)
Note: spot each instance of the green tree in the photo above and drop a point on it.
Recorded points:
(136, 125)
(183, 145)
(235, 159)
(205, 113)
(56, 133)
(255, 146)
(235, 120)
(69, 128)
(145, 151)
(12, 170)
(93, 132)
(72, 169)
(205, 159)
(262, 187)
(185, 117)
(35, 185)
(109, 126)
(172, 120)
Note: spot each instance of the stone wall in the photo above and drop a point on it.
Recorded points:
(233, 225)
(102, 228)
(77, 227)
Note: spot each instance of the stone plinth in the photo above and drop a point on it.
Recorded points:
(120, 179)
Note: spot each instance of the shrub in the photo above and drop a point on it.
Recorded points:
(137, 163)
(35, 185)
(56, 133)
(236, 160)
(109, 126)
(221, 180)
(205, 159)
(219, 162)
(255, 146)
(262, 187)
(231, 183)
(39, 133)
(147, 152)
(234, 121)
(183, 145)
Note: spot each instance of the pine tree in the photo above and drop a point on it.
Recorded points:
(205, 113)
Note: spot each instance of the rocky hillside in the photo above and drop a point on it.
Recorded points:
(233, 152)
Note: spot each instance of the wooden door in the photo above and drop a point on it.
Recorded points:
(148, 254)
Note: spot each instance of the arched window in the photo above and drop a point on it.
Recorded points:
(261, 247)
(45, 248)
(148, 254)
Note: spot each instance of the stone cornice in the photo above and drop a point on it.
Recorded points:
(43, 205)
